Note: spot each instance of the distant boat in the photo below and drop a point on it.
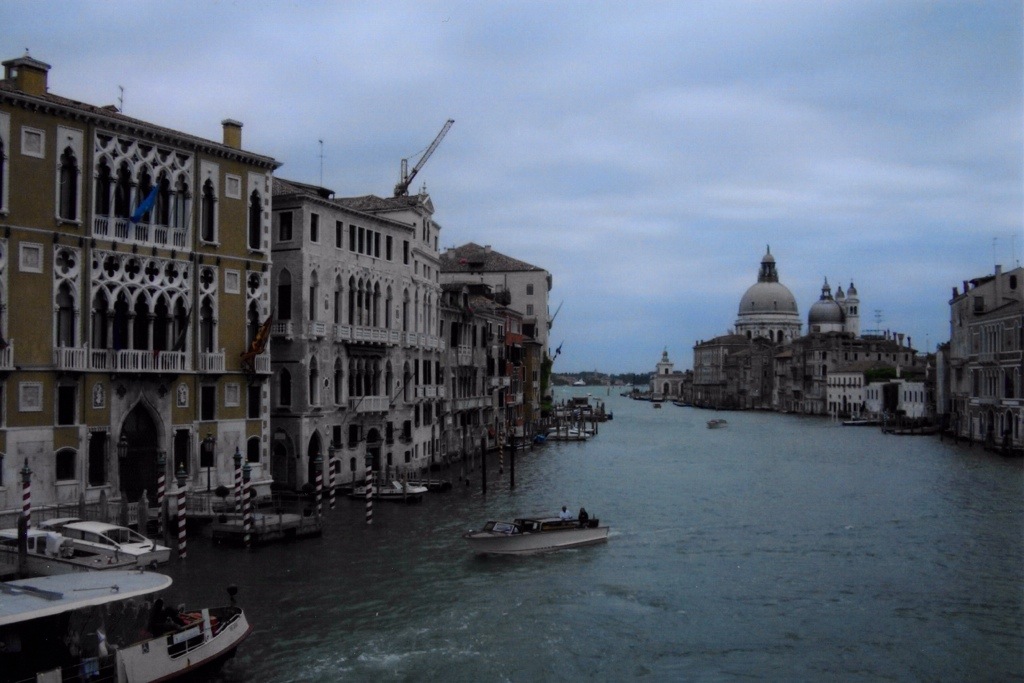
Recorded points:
(657, 405)
(579, 383)
(860, 422)
(716, 423)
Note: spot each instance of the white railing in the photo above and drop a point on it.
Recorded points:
(281, 329)
(342, 333)
(317, 328)
(7, 356)
(440, 392)
(71, 358)
(262, 363)
(148, 361)
(123, 230)
(464, 355)
(211, 362)
(394, 337)
(410, 338)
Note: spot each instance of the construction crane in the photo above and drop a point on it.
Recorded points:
(402, 188)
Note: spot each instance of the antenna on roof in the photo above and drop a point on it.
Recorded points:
(321, 162)
(120, 99)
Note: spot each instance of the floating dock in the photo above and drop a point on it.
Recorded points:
(266, 528)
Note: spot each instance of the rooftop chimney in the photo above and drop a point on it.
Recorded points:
(232, 133)
(27, 74)
(487, 249)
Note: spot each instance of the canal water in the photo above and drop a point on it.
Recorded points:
(777, 548)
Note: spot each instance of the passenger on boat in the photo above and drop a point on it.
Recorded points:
(564, 514)
(583, 517)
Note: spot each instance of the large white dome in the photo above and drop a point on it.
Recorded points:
(768, 297)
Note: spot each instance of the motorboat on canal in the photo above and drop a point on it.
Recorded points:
(717, 423)
(861, 422)
(100, 626)
(535, 535)
(47, 553)
(395, 491)
(109, 539)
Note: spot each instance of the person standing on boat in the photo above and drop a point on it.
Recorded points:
(564, 514)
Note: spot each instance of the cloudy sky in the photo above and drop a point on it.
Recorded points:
(645, 153)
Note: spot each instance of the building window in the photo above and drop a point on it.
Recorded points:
(388, 240)
(33, 142)
(314, 228)
(66, 395)
(362, 240)
(208, 231)
(284, 296)
(314, 382)
(284, 226)
(65, 317)
(252, 449)
(255, 225)
(405, 252)
(529, 290)
(255, 401)
(284, 388)
(182, 449)
(3, 170)
(97, 474)
(529, 309)
(352, 238)
(208, 402)
(68, 209)
(339, 235)
(64, 467)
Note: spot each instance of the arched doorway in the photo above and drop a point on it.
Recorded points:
(312, 451)
(373, 444)
(282, 465)
(137, 470)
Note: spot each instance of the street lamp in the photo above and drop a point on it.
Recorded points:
(209, 446)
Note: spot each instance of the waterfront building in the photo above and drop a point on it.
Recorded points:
(666, 384)
(527, 288)
(356, 363)
(984, 365)
(711, 380)
(897, 398)
(483, 368)
(134, 284)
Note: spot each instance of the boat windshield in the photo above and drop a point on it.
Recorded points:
(504, 528)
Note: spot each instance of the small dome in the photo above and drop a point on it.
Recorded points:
(851, 290)
(825, 311)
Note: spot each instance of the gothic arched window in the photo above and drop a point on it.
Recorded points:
(208, 231)
(68, 209)
(255, 219)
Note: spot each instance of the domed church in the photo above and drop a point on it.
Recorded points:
(768, 309)
(839, 314)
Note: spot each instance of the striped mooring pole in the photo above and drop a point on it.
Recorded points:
(369, 494)
(247, 505)
(26, 493)
(318, 465)
(238, 480)
(182, 546)
(161, 490)
(330, 479)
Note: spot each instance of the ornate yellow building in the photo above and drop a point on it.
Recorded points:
(134, 271)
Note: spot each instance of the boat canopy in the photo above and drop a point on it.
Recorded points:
(44, 596)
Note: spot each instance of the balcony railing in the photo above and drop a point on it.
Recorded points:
(211, 362)
(7, 356)
(316, 329)
(71, 358)
(282, 329)
(262, 363)
(109, 360)
(123, 230)
(464, 355)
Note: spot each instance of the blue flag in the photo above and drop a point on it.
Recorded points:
(147, 204)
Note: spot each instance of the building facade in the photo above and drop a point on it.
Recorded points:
(985, 363)
(135, 280)
(357, 351)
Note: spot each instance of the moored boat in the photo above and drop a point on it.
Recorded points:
(861, 422)
(94, 625)
(396, 491)
(110, 539)
(530, 535)
(47, 553)
(717, 423)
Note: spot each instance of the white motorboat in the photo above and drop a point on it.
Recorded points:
(579, 383)
(535, 535)
(47, 553)
(396, 491)
(95, 626)
(109, 539)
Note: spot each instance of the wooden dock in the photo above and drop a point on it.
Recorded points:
(267, 528)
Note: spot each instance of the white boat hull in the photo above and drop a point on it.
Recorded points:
(496, 543)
